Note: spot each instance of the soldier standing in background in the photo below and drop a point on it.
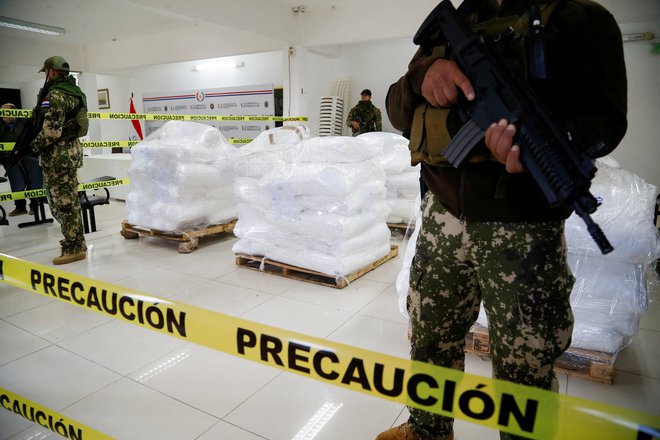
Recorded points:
(365, 116)
(24, 175)
(60, 153)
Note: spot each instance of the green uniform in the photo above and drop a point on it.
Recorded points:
(60, 154)
(489, 235)
(368, 115)
(519, 270)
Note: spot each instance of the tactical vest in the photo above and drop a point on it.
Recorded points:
(429, 133)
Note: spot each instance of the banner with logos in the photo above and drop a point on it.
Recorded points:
(256, 100)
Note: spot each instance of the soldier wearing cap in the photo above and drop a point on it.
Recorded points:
(365, 116)
(60, 153)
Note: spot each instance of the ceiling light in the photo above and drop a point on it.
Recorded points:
(218, 66)
(31, 27)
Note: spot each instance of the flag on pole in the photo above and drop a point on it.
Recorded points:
(137, 128)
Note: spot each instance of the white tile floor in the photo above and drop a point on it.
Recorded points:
(131, 383)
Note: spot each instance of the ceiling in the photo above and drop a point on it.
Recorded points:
(96, 26)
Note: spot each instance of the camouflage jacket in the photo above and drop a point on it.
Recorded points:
(368, 115)
(57, 144)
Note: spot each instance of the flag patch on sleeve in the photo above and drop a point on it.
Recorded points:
(45, 104)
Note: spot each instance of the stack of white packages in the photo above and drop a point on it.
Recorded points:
(182, 177)
(321, 206)
(610, 291)
(402, 179)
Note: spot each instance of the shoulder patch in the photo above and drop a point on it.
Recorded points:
(45, 103)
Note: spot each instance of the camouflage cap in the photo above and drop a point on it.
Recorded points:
(56, 63)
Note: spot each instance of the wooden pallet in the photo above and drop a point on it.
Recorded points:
(188, 240)
(585, 364)
(256, 262)
(402, 228)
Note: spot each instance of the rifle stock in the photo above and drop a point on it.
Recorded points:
(562, 173)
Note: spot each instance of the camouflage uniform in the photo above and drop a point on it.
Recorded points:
(487, 234)
(368, 115)
(519, 270)
(60, 154)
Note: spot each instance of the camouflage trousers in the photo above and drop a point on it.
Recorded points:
(520, 272)
(62, 190)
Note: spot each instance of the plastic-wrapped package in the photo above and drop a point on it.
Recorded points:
(404, 186)
(255, 162)
(334, 149)
(353, 203)
(321, 178)
(182, 177)
(401, 211)
(319, 225)
(321, 207)
(402, 179)
(395, 157)
(628, 204)
(286, 135)
(614, 286)
(181, 141)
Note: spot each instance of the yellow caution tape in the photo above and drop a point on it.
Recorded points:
(47, 418)
(35, 193)
(8, 146)
(108, 144)
(517, 409)
(26, 113)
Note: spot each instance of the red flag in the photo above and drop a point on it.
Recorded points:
(136, 124)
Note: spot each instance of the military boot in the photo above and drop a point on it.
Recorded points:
(405, 432)
(70, 257)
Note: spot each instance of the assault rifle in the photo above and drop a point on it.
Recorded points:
(363, 125)
(31, 129)
(22, 147)
(562, 173)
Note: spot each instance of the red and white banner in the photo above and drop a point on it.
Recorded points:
(257, 100)
(136, 130)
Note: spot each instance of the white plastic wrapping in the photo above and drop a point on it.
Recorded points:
(403, 278)
(322, 205)
(287, 135)
(402, 179)
(182, 177)
(625, 216)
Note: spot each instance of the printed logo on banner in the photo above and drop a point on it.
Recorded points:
(237, 102)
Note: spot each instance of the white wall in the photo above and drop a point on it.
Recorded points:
(265, 68)
(639, 150)
(373, 65)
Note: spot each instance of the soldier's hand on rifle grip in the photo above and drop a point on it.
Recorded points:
(499, 140)
(442, 82)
